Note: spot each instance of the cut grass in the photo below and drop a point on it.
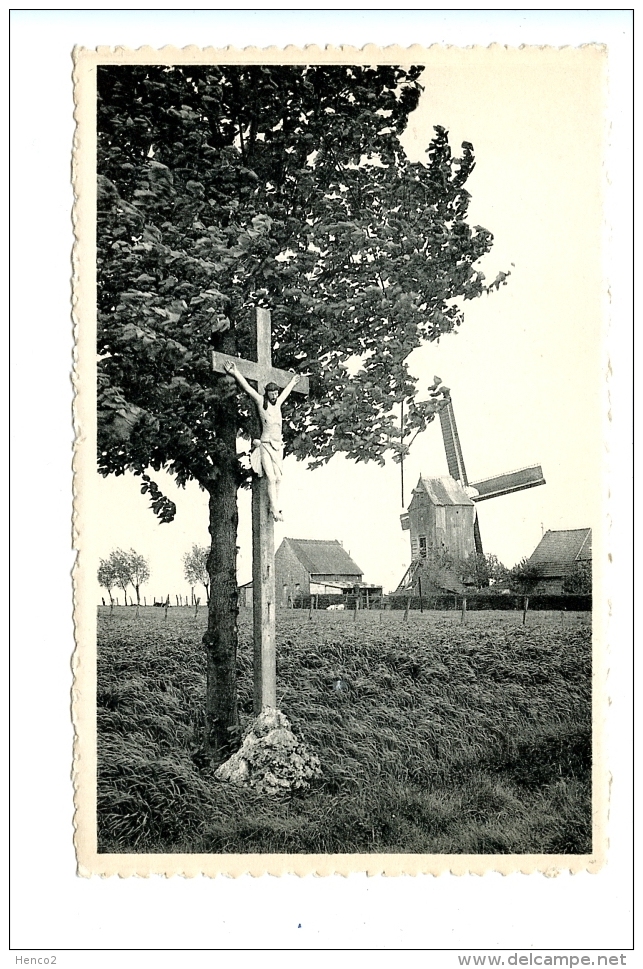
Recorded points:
(434, 737)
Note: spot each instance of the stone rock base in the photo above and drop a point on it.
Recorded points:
(271, 760)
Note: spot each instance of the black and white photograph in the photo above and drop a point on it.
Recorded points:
(331, 618)
(321, 577)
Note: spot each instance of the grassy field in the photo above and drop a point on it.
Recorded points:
(434, 737)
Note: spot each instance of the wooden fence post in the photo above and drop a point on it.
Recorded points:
(420, 592)
(167, 604)
(464, 608)
(525, 607)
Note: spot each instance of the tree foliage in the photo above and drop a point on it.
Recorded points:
(122, 569)
(523, 577)
(222, 188)
(195, 567)
(139, 571)
(579, 580)
(107, 575)
(443, 570)
(482, 570)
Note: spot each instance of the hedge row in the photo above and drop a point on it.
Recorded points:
(475, 602)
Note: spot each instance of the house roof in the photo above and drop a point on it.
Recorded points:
(323, 557)
(558, 551)
(443, 491)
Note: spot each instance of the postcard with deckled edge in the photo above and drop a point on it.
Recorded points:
(282, 240)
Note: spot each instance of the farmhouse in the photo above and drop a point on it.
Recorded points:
(557, 556)
(306, 567)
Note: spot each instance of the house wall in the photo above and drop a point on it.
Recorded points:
(291, 578)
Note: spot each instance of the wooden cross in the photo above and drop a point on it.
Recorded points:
(263, 531)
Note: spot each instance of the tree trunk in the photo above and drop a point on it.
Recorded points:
(222, 716)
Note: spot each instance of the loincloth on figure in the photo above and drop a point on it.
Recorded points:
(266, 451)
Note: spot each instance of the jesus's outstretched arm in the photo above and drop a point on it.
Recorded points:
(287, 389)
(234, 371)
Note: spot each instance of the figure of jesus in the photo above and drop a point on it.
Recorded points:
(267, 452)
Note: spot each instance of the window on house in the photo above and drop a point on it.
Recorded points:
(422, 546)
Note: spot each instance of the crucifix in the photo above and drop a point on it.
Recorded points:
(264, 497)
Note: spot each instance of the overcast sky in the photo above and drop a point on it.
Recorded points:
(524, 369)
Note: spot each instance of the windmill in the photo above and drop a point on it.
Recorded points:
(441, 514)
(501, 484)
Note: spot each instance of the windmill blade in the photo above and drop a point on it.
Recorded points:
(455, 461)
(506, 484)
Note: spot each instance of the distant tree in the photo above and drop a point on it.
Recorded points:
(195, 567)
(481, 570)
(523, 577)
(125, 568)
(579, 581)
(107, 577)
(139, 572)
(120, 565)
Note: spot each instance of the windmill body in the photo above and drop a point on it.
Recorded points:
(442, 515)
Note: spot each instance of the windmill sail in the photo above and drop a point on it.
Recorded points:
(455, 461)
(506, 484)
(502, 484)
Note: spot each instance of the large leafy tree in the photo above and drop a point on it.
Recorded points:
(224, 188)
